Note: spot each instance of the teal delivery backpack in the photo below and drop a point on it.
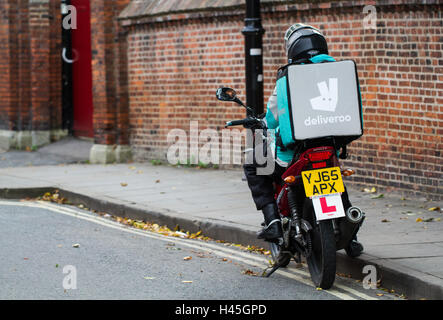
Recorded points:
(319, 100)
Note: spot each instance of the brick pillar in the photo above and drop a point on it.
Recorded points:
(109, 84)
(39, 31)
(8, 69)
(30, 86)
(14, 83)
(23, 67)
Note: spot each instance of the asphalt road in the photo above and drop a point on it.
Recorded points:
(40, 259)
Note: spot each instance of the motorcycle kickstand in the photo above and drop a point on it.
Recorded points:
(277, 265)
(274, 268)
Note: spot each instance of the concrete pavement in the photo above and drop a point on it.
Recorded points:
(67, 150)
(402, 238)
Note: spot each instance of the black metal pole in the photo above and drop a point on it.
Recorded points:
(67, 97)
(253, 32)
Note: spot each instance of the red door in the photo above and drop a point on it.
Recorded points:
(82, 70)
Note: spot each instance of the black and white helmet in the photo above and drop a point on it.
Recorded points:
(304, 41)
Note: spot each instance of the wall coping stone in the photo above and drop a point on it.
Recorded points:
(149, 11)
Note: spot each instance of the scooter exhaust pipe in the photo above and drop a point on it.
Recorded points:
(354, 214)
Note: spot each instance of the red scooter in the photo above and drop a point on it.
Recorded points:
(316, 214)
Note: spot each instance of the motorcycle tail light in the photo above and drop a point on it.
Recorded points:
(317, 165)
(319, 156)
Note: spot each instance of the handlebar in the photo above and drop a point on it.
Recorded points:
(235, 123)
(250, 121)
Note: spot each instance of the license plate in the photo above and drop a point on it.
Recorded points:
(322, 182)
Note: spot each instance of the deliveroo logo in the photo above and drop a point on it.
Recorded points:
(327, 101)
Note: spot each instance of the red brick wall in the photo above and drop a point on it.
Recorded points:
(22, 50)
(176, 62)
(39, 32)
(8, 63)
(30, 64)
(174, 71)
(108, 73)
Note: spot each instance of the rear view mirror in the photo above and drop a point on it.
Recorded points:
(226, 94)
(229, 94)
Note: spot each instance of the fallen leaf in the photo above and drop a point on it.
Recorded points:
(419, 220)
(123, 184)
(157, 181)
(149, 278)
(140, 225)
(181, 234)
(76, 245)
(434, 209)
(187, 258)
(132, 167)
(380, 294)
(249, 272)
(385, 220)
(381, 195)
(186, 281)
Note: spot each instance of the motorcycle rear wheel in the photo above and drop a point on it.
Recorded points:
(322, 260)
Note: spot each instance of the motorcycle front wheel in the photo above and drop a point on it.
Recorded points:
(322, 260)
